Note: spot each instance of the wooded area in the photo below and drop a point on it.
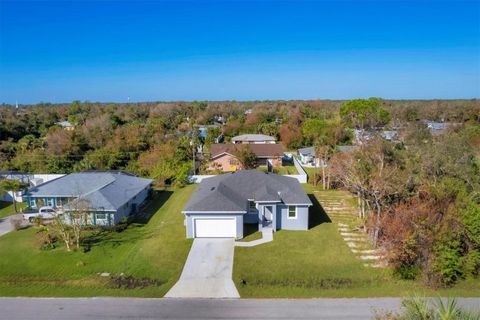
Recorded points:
(419, 194)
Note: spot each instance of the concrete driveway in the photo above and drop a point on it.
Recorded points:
(208, 271)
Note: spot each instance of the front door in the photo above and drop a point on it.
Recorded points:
(267, 215)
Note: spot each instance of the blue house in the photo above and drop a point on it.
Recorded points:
(110, 195)
(222, 204)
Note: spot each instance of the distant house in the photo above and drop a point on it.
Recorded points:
(110, 195)
(437, 128)
(389, 135)
(221, 205)
(67, 125)
(253, 139)
(308, 157)
(224, 156)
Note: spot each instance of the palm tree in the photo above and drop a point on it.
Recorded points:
(14, 186)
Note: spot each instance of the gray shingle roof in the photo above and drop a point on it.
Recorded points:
(253, 137)
(230, 192)
(103, 190)
(309, 151)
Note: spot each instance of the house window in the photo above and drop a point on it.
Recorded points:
(252, 205)
(101, 216)
(33, 203)
(233, 162)
(292, 212)
(49, 202)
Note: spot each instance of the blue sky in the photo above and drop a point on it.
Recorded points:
(232, 50)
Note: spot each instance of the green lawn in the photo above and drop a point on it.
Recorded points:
(154, 250)
(318, 263)
(286, 168)
(6, 208)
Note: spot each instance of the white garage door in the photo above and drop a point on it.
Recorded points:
(215, 228)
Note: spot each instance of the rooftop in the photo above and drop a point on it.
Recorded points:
(253, 137)
(107, 190)
(230, 192)
(260, 150)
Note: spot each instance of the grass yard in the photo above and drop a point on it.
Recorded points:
(286, 168)
(153, 250)
(318, 263)
(6, 208)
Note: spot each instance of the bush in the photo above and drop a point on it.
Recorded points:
(17, 223)
(448, 262)
(121, 225)
(45, 240)
(37, 221)
(407, 272)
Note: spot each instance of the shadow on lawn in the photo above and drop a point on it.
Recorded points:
(116, 235)
(317, 214)
(249, 228)
(156, 201)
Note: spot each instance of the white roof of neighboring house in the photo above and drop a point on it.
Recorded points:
(65, 124)
(253, 137)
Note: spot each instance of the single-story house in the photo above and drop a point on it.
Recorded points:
(253, 139)
(67, 125)
(308, 157)
(107, 196)
(224, 156)
(221, 205)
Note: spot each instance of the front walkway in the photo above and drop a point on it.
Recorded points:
(267, 236)
(208, 271)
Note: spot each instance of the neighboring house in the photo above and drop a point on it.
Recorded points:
(221, 205)
(308, 158)
(437, 128)
(67, 125)
(253, 139)
(389, 135)
(224, 156)
(110, 195)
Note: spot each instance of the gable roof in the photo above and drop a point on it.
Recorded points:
(253, 137)
(309, 151)
(103, 190)
(230, 192)
(260, 150)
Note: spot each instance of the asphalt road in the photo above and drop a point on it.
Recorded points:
(132, 308)
(5, 225)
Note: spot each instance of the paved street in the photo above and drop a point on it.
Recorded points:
(5, 225)
(130, 308)
(208, 271)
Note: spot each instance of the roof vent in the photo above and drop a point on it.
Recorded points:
(212, 188)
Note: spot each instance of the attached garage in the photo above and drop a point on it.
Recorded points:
(214, 226)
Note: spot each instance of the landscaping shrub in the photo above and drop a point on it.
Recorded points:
(45, 240)
(37, 221)
(17, 223)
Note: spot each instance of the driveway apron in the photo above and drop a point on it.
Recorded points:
(208, 271)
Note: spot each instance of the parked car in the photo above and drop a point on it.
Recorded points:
(44, 212)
